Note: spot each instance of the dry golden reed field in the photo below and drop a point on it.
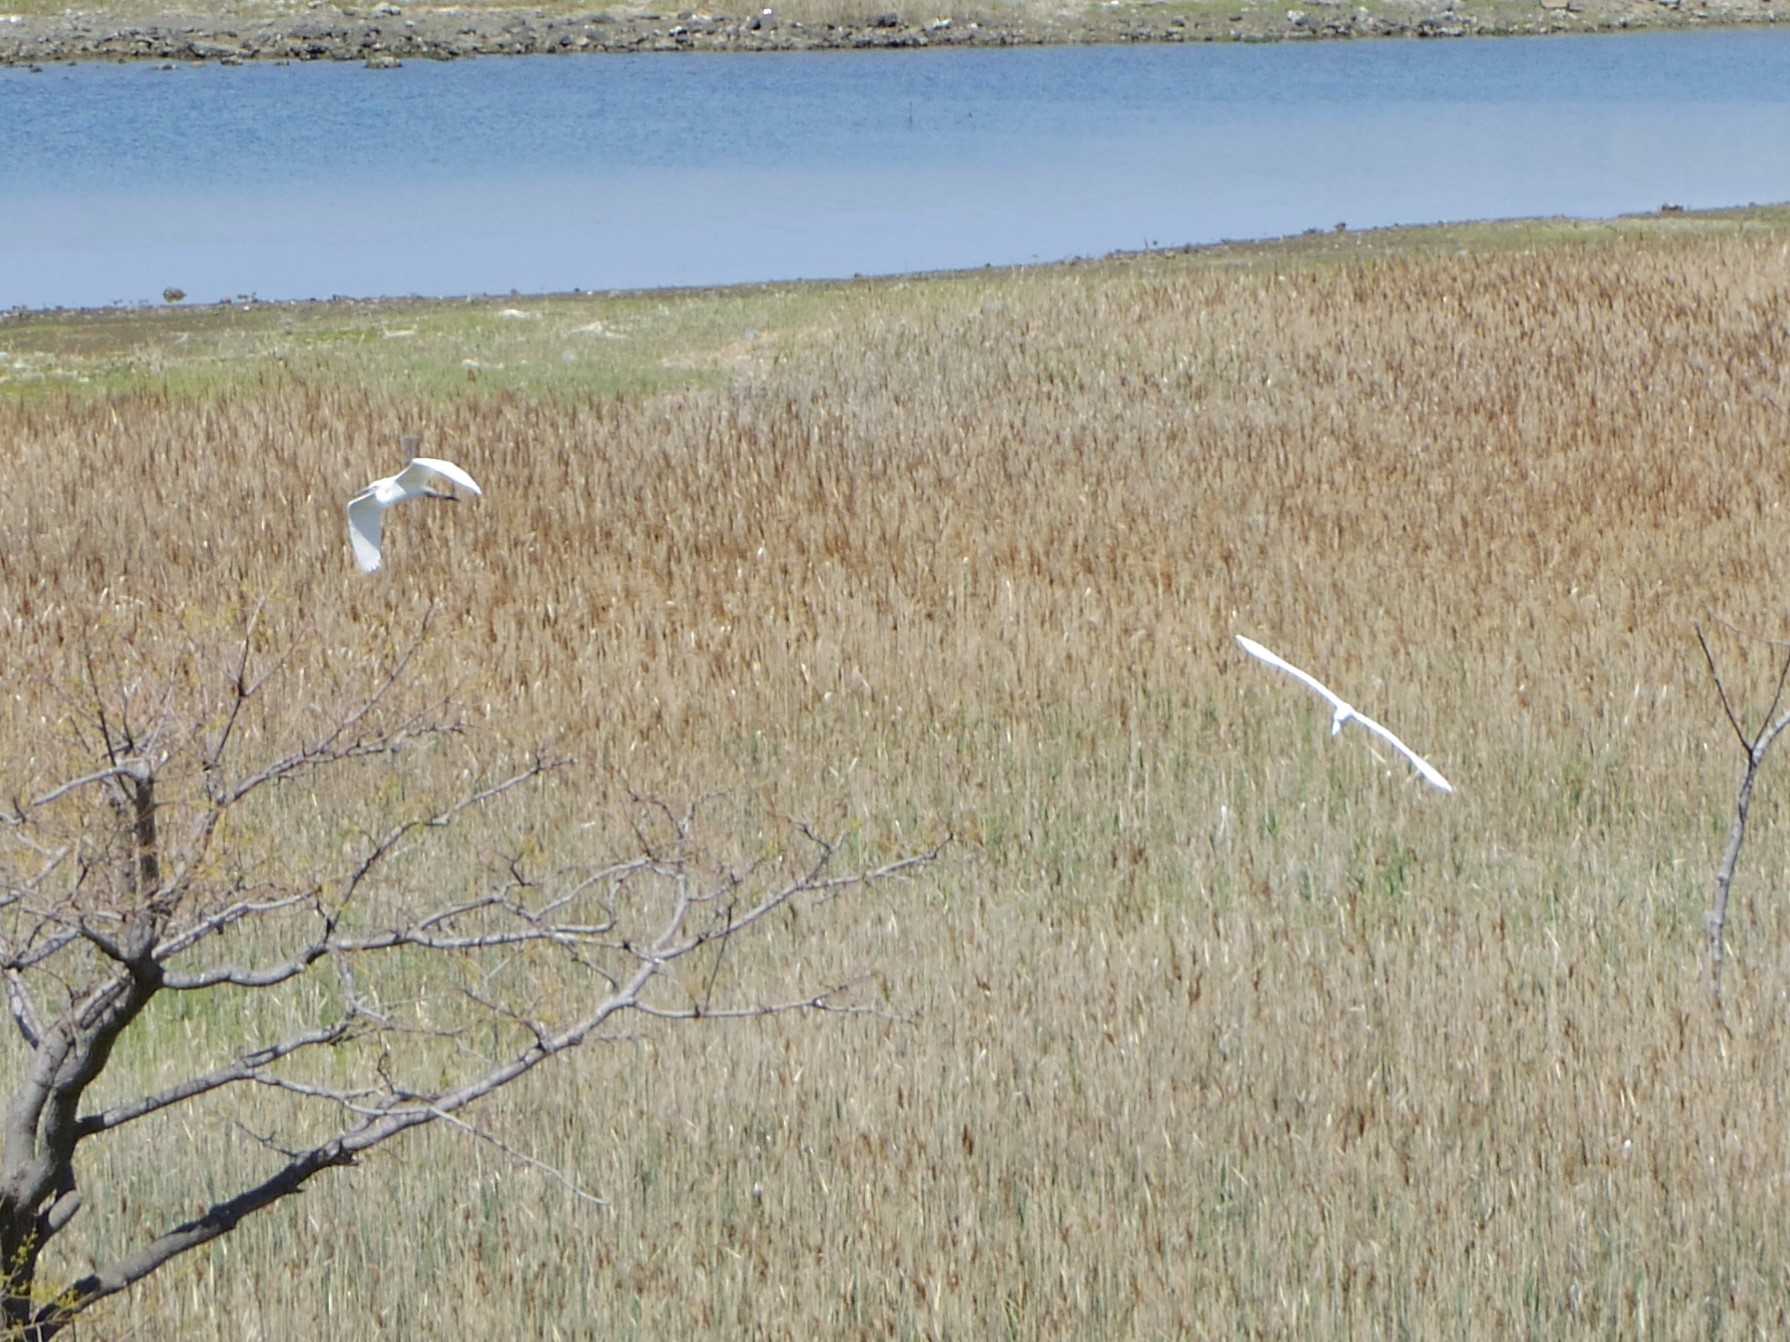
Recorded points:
(1204, 1024)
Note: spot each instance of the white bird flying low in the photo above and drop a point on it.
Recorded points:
(1343, 713)
(366, 510)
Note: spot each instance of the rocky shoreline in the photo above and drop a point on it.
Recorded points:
(386, 34)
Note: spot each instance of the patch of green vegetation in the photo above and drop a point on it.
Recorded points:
(1493, 236)
(641, 344)
(616, 345)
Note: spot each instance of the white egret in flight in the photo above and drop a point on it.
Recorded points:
(366, 510)
(1343, 712)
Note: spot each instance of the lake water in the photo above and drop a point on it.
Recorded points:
(599, 172)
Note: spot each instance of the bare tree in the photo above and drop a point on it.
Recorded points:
(1756, 746)
(118, 886)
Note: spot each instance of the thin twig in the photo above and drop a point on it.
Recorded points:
(1756, 750)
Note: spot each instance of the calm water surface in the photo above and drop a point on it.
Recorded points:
(597, 172)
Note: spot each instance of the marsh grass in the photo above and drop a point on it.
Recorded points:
(1219, 1026)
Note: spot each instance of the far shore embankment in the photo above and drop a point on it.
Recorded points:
(385, 34)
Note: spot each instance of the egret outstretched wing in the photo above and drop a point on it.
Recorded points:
(366, 516)
(1310, 682)
(1432, 774)
(424, 471)
(1343, 712)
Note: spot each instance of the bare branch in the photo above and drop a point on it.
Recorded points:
(385, 846)
(24, 1010)
(1756, 750)
(226, 917)
(383, 941)
(47, 950)
(821, 1001)
(56, 794)
(552, 1172)
(340, 741)
(350, 1099)
(243, 691)
(248, 1067)
(812, 883)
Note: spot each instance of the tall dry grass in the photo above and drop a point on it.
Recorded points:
(1220, 1026)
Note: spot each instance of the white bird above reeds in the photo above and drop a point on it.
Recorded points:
(366, 510)
(1343, 712)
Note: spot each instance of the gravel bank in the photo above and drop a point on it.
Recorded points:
(389, 33)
